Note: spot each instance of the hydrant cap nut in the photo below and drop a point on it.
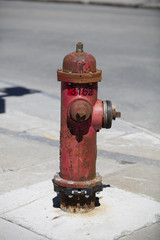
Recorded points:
(80, 111)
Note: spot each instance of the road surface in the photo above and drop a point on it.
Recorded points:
(35, 37)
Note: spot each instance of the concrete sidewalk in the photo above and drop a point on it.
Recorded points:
(128, 159)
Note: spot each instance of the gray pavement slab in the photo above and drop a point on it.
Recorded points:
(22, 153)
(14, 232)
(138, 178)
(148, 233)
(112, 218)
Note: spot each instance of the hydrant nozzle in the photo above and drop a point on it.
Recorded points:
(82, 116)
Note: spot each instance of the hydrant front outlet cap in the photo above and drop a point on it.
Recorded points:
(80, 111)
(82, 116)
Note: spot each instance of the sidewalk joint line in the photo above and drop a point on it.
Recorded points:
(130, 233)
(113, 155)
(31, 230)
(25, 204)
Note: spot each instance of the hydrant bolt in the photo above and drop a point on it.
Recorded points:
(82, 116)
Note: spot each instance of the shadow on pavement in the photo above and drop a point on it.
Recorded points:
(56, 201)
(13, 92)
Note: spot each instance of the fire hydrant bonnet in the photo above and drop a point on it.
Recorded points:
(79, 62)
(79, 67)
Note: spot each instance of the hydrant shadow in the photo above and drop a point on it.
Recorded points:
(56, 201)
(97, 203)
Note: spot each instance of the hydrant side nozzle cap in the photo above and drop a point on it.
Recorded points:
(79, 47)
(110, 114)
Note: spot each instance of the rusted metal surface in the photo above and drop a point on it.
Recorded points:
(72, 77)
(80, 111)
(78, 139)
(77, 204)
(115, 114)
(97, 115)
(82, 116)
(79, 67)
(77, 184)
(110, 114)
(79, 61)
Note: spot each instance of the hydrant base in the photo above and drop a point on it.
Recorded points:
(77, 204)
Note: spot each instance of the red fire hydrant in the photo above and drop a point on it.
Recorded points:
(82, 116)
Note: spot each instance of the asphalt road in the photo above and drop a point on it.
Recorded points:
(34, 38)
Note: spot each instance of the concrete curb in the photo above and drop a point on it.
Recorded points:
(149, 4)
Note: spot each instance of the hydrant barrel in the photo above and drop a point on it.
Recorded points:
(78, 137)
(82, 116)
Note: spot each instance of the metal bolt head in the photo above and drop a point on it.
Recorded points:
(118, 114)
(70, 196)
(86, 196)
(115, 114)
